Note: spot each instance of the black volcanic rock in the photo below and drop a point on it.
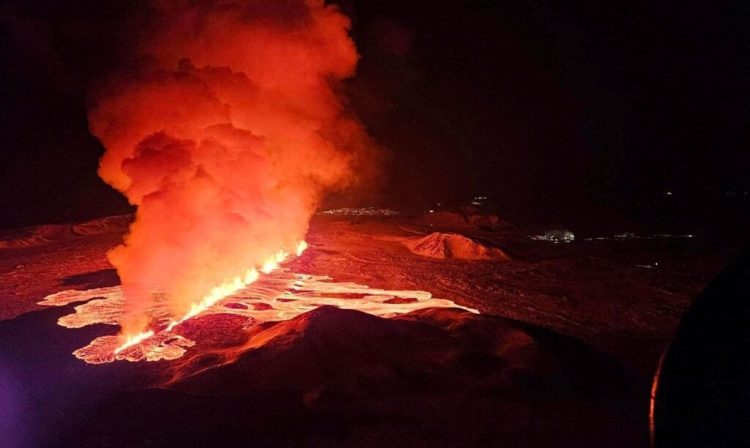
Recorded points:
(432, 351)
(334, 377)
(328, 346)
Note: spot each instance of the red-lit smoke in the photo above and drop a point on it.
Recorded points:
(225, 130)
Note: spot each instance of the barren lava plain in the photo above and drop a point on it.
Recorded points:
(561, 354)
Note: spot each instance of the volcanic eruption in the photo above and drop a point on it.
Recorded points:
(225, 126)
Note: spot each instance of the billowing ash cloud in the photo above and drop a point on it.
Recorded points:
(226, 131)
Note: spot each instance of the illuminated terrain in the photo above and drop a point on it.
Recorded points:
(361, 341)
(281, 295)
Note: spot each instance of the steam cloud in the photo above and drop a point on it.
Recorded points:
(226, 130)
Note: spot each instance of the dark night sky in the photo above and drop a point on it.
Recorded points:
(554, 109)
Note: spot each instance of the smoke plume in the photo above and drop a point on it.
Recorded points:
(226, 129)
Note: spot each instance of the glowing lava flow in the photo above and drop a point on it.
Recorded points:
(217, 293)
(134, 340)
(279, 296)
(301, 247)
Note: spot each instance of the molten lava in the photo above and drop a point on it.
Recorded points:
(135, 339)
(278, 296)
(222, 291)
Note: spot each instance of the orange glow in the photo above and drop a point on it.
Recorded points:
(217, 293)
(226, 127)
(301, 247)
(279, 296)
(134, 340)
(273, 262)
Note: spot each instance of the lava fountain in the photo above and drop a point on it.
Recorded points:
(217, 293)
(225, 126)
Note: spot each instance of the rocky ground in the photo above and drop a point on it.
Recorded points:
(561, 354)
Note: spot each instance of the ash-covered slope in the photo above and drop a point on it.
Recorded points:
(453, 245)
(332, 377)
(326, 347)
(354, 352)
(45, 234)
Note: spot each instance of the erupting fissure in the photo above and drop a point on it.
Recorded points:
(279, 296)
(134, 339)
(222, 291)
(226, 127)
